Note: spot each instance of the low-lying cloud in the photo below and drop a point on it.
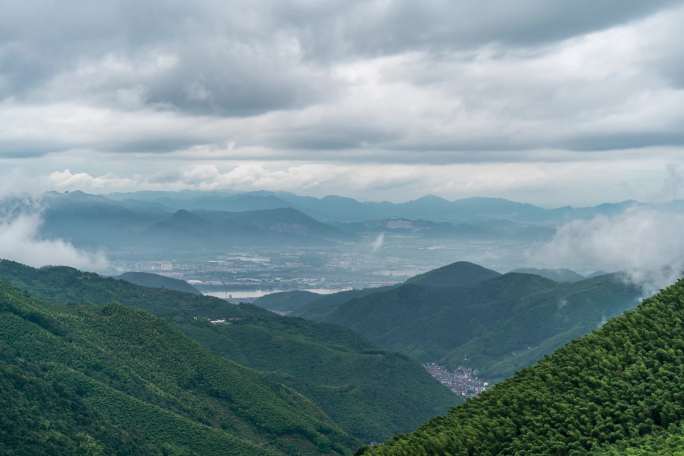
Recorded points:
(646, 244)
(377, 244)
(19, 241)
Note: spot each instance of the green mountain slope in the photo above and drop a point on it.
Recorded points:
(494, 323)
(557, 275)
(365, 390)
(286, 301)
(114, 380)
(146, 279)
(459, 274)
(370, 393)
(612, 387)
(670, 443)
(320, 308)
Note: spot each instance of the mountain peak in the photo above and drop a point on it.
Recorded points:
(459, 274)
(431, 199)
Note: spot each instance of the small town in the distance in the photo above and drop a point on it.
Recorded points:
(341, 228)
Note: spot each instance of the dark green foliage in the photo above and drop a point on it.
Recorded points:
(319, 309)
(286, 301)
(613, 387)
(146, 279)
(113, 380)
(459, 274)
(557, 275)
(370, 393)
(665, 444)
(495, 323)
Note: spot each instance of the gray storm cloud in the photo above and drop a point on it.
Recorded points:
(647, 245)
(306, 77)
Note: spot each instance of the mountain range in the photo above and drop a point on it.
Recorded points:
(200, 221)
(95, 365)
(464, 315)
(109, 379)
(363, 392)
(335, 208)
(616, 391)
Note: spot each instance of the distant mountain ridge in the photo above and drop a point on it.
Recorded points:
(267, 225)
(126, 219)
(97, 221)
(335, 208)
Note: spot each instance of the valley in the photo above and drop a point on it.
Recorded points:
(341, 228)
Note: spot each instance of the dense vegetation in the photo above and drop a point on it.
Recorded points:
(370, 393)
(114, 380)
(619, 390)
(320, 308)
(557, 275)
(466, 315)
(286, 301)
(664, 443)
(146, 279)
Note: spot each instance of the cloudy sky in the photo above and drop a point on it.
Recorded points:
(552, 102)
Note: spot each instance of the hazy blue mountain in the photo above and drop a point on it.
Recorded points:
(207, 201)
(147, 279)
(206, 228)
(94, 220)
(605, 209)
(558, 275)
(147, 223)
(484, 229)
(428, 207)
(343, 209)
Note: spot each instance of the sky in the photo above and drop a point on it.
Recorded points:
(550, 102)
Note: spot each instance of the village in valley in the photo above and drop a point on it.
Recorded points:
(462, 381)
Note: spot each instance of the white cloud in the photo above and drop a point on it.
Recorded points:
(496, 86)
(378, 242)
(646, 244)
(19, 241)
(632, 176)
(66, 180)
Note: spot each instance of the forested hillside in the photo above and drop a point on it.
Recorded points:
(620, 387)
(466, 315)
(286, 302)
(370, 393)
(98, 380)
(146, 279)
